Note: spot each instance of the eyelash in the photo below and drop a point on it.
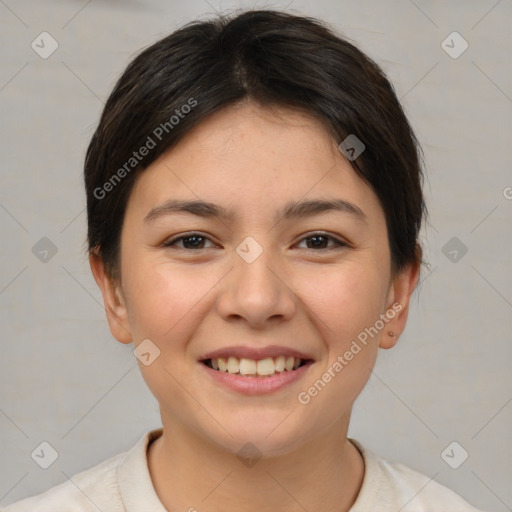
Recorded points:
(338, 243)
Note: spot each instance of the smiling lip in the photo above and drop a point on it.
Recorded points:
(257, 385)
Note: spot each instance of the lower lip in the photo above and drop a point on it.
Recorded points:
(257, 385)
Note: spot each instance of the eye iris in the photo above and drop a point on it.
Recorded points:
(194, 244)
(318, 238)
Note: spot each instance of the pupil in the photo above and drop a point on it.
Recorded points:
(315, 240)
(186, 241)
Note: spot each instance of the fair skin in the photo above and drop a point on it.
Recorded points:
(309, 295)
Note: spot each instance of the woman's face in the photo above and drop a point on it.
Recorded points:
(261, 275)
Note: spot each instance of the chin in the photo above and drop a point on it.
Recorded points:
(266, 435)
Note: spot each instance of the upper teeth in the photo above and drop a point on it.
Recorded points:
(267, 366)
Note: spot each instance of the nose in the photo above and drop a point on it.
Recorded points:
(257, 292)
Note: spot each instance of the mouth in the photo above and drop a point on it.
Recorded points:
(256, 368)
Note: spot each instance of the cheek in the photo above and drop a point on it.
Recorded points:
(164, 305)
(345, 299)
(164, 298)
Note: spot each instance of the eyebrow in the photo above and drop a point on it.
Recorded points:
(292, 210)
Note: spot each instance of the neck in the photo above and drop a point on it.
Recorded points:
(191, 473)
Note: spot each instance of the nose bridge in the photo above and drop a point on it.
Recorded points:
(254, 271)
(255, 278)
(254, 289)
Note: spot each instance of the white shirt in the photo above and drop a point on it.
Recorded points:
(123, 483)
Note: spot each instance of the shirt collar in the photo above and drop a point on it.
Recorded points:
(139, 495)
(135, 484)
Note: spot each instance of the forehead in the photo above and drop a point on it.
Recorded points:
(246, 127)
(250, 158)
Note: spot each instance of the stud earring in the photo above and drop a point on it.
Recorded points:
(391, 333)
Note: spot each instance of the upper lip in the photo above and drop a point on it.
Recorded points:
(255, 353)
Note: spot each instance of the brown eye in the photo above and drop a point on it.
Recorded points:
(192, 241)
(321, 241)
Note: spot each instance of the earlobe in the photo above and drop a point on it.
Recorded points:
(115, 306)
(388, 339)
(398, 302)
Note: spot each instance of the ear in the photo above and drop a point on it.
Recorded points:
(115, 306)
(402, 286)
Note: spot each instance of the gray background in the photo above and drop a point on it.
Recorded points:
(64, 380)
